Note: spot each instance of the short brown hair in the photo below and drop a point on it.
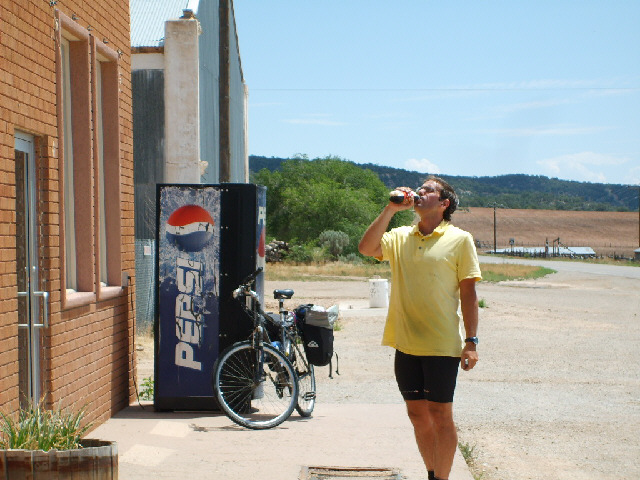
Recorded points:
(446, 191)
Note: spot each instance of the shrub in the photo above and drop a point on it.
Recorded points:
(334, 241)
(299, 254)
(353, 258)
(40, 429)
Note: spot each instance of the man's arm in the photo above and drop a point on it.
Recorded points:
(469, 305)
(370, 242)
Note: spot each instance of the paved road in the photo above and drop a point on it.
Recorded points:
(569, 266)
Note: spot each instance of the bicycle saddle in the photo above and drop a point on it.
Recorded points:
(283, 293)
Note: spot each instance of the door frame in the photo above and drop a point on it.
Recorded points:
(34, 315)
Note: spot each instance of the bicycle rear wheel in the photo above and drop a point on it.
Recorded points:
(306, 382)
(254, 399)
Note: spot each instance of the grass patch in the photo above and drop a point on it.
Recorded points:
(39, 429)
(326, 271)
(506, 271)
(470, 457)
(347, 271)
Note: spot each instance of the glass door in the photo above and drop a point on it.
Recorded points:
(32, 301)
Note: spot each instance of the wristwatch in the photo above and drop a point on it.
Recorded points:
(474, 340)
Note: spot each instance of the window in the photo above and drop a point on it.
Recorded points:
(69, 211)
(89, 139)
(107, 159)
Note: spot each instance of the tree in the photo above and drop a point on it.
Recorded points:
(307, 197)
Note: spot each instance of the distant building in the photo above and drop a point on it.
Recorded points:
(189, 111)
(558, 251)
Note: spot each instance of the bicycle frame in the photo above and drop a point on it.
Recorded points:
(260, 317)
(257, 314)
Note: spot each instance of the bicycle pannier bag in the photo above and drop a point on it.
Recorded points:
(317, 335)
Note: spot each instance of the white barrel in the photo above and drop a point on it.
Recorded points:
(378, 293)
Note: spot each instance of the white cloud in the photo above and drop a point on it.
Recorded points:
(320, 119)
(553, 84)
(516, 107)
(548, 130)
(633, 176)
(423, 165)
(265, 104)
(586, 166)
(314, 121)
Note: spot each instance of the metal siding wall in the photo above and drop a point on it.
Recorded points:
(148, 146)
(145, 284)
(209, 80)
(148, 159)
(237, 107)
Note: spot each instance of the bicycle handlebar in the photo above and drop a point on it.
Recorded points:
(251, 277)
(245, 286)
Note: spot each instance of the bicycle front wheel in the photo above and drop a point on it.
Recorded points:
(256, 388)
(306, 383)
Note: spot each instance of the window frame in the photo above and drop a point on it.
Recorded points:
(95, 160)
(106, 119)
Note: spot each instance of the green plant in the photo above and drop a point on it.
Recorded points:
(39, 429)
(502, 272)
(482, 303)
(469, 454)
(334, 241)
(467, 451)
(299, 254)
(147, 389)
(353, 258)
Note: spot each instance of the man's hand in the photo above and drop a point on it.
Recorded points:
(469, 357)
(408, 202)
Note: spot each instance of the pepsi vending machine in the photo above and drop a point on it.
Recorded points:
(209, 238)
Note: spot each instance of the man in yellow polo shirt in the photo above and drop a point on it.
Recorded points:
(434, 269)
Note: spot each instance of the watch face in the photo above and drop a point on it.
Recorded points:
(472, 339)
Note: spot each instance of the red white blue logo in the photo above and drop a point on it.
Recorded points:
(190, 228)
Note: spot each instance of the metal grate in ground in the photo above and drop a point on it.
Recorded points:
(338, 473)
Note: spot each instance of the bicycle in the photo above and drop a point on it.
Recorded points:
(258, 382)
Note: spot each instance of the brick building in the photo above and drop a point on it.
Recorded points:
(66, 206)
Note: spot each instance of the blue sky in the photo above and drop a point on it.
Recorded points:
(451, 87)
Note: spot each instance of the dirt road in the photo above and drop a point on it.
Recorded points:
(557, 391)
(556, 394)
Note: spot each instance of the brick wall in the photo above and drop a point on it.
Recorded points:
(88, 350)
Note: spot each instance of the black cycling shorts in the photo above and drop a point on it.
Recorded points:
(426, 378)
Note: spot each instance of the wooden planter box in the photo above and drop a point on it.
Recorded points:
(97, 460)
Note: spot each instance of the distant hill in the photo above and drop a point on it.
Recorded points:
(506, 191)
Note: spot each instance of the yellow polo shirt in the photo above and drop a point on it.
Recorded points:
(424, 316)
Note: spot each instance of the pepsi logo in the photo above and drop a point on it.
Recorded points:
(190, 228)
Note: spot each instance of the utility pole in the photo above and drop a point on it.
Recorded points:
(495, 205)
(639, 216)
(224, 93)
(494, 229)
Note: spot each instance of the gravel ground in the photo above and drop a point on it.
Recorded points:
(556, 393)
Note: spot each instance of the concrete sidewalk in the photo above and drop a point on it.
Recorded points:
(198, 445)
(207, 445)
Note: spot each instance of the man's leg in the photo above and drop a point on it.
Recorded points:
(435, 434)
